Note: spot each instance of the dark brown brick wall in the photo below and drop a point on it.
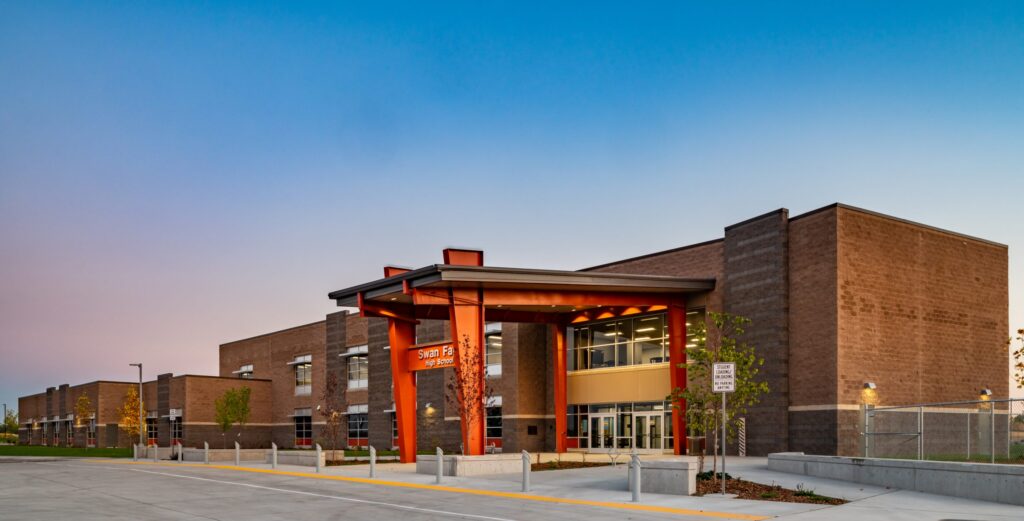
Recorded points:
(922, 313)
(756, 286)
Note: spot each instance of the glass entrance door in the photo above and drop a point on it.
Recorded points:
(602, 431)
(648, 430)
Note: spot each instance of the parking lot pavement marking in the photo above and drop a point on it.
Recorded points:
(326, 496)
(460, 490)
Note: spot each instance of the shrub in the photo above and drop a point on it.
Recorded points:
(8, 438)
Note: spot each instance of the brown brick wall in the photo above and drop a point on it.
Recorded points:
(812, 309)
(922, 313)
(270, 355)
(756, 286)
(704, 260)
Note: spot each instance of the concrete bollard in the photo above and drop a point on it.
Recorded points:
(238, 449)
(318, 451)
(526, 471)
(181, 452)
(373, 462)
(206, 453)
(635, 482)
(156, 453)
(273, 455)
(135, 452)
(440, 465)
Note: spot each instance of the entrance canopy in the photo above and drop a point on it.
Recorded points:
(512, 294)
(468, 294)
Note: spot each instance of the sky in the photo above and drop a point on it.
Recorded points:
(178, 175)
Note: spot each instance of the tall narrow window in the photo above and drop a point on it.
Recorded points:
(303, 374)
(358, 367)
(303, 427)
(69, 433)
(492, 341)
(493, 420)
(90, 433)
(151, 431)
(175, 430)
(358, 425)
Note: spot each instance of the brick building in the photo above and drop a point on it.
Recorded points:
(837, 297)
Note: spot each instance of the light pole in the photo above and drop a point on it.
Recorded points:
(142, 418)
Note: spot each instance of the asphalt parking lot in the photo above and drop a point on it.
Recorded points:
(63, 489)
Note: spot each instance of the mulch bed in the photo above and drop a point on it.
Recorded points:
(564, 465)
(750, 490)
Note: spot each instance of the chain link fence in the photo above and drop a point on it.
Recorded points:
(987, 431)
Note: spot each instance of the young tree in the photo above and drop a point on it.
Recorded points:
(1018, 359)
(11, 422)
(468, 391)
(232, 408)
(331, 411)
(129, 412)
(83, 415)
(717, 339)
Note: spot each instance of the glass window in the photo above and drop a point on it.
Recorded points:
(394, 425)
(245, 371)
(90, 433)
(621, 342)
(303, 428)
(493, 420)
(358, 429)
(303, 375)
(69, 434)
(151, 430)
(492, 341)
(175, 430)
(358, 372)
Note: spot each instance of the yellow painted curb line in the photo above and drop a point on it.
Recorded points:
(459, 490)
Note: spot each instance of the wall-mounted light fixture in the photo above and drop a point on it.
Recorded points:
(984, 394)
(870, 385)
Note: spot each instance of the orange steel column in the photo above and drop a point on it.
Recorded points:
(677, 357)
(466, 312)
(401, 335)
(561, 399)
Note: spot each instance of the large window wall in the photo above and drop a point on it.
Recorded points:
(645, 426)
(625, 341)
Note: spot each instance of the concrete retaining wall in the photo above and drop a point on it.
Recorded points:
(304, 458)
(225, 455)
(471, 465)
(987, 482)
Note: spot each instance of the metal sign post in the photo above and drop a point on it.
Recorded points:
(723, 381)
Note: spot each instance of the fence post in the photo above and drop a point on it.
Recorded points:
(864, 429)
(526, 471)
(318, 452)
(920, 433)
(273, 455)
(206, 453)
(992, 428)
(237, 455)
(634, 467)
(440, 465)
(1009, 425)
(968, 435)
(373, 462)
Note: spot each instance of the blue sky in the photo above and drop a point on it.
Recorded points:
(173, 176)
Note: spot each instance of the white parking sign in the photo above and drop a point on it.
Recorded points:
(724, 377)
